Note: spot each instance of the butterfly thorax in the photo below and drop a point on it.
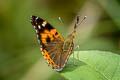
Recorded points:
(68, 42)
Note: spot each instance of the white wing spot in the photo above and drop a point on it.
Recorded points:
(44, 23)
(43, 55)
(36, 18)
(34, 26)
(38, 41)
(37, 36)
(41, 49)
(39, 26)
(37, 31)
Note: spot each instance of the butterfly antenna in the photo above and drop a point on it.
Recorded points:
(59, 18)
(82, 20)
(77, 24)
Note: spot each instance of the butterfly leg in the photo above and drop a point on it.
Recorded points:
(60, 19)
(77, 48)
(61, 22)
(73, 59)
(78, 55)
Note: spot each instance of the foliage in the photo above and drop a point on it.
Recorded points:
(93, 65)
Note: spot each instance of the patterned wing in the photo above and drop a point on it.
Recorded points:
(67, 50)
(51, 41)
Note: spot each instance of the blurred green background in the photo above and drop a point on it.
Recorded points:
(20, 57)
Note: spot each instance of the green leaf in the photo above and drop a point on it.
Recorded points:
(92, 65)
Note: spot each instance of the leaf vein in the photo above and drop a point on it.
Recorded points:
(98, 71)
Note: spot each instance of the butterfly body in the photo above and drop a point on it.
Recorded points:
(55, 49)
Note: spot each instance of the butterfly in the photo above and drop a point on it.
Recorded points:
(54, 48)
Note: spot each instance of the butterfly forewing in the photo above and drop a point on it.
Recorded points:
(51, 41)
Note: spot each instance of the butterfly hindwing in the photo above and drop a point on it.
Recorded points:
(67, 50)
